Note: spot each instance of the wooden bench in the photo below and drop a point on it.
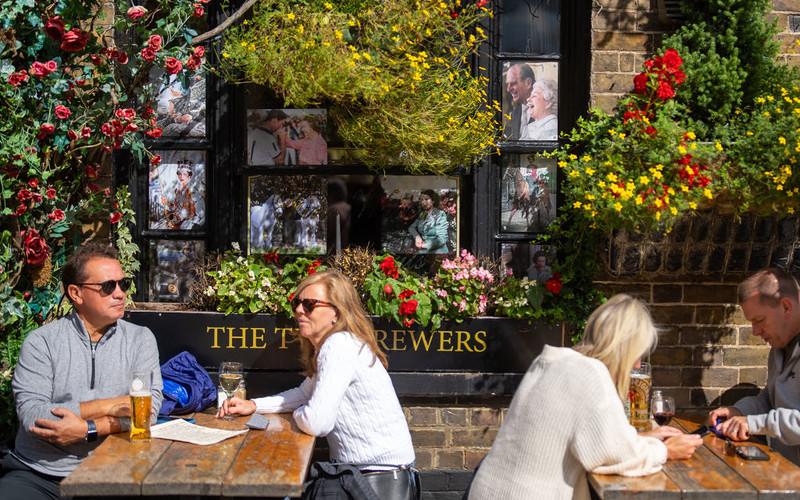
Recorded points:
(269, 463)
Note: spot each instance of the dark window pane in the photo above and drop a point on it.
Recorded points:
(531, 26)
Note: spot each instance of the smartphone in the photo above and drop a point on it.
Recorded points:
(751, 452)
(701, 431)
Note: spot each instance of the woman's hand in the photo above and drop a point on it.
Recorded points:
(663, 432)
(237, 406)
(683, 446)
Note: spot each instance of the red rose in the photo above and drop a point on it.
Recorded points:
(21, 209)
(56, 214)
(387, 289)
(148, 54)
(199, 51)
(119, 128)
(39, 70)
(46, 128)
(408, 307)
(193, 63)
(128, 113)
(640, 83)
(91, 172)
(665, 91)
(154, 42)
(198, 10)
(51, 66)
(156, 132)
(173, 65)
(33, 182)
(96, 60)
(405, 294)
(51, 193)
(672, 60)
(115, 217)
(74, 40)
(36, 250)
(36, 197)
(123, 58)
(62, 112)
(16, 79)
(23, 194)
(136, 12)
(155, 160)
(54, 28)
(86, 132)
(131, 127)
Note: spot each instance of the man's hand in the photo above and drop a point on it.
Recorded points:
(114, 407)
(735, 428)
(723, 413)
(683, 446)
(70, 429)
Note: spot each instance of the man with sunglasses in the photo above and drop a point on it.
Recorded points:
(71, 381)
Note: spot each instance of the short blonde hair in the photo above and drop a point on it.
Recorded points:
(618, 333)
(351, 316)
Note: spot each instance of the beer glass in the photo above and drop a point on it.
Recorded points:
(640, 397)
(230, 376)
(140, 392)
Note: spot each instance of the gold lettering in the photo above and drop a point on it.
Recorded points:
(398, 340)
(425, 340)
(463, 341)
(380, 336)
(257, 337)
(480, 339)
(215, 330)
(282, 332)
(443, 341)
(232, 337)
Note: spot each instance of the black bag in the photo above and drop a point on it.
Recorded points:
(401, 483)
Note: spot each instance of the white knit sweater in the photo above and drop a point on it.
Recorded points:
(352, 401)
(565, 419)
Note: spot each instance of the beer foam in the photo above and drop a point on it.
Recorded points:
(137, 385)
(139, 394)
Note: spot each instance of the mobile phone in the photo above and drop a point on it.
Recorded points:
(258, 422)
(701, 431)
(751, 452)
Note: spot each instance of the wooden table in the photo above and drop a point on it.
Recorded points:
(267, 463)
(711, 473)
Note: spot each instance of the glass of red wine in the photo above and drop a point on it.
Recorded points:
(663, 408)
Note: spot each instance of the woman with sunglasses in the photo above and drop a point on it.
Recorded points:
(347, 394)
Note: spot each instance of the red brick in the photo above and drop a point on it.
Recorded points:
(707, 356)
(669, 336)
(473, 457)
(429, 438)
(424, 458)
(422, 417)
(666, 376)
(485, 416)
(474, 438)
(454, 417)
(449, 459)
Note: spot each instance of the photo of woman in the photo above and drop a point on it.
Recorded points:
(177, 191)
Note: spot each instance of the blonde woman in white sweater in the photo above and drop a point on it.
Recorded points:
(567, 416)
(347, 394)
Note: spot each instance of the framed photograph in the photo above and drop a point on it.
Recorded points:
(177, 191)
(287, 137)
(287, 213)
(173, 269)
(530, 101)
(180, 104)
(420, 215)
(525, 260)
(527, 193)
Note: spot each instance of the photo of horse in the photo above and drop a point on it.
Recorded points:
(527, 193)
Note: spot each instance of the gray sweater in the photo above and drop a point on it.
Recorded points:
(55, 371)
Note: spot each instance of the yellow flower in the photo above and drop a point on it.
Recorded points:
(622, 136)
(586, 158)
(601, 185)
(670, 191)
(574, 173)
(643, 180)
(691, 135)
(681, 150)
(366, 56)
(612, 131)
(589, 171)
(673, 210)
(718, 146)
(612, 177)
(563, 164)
(225, 55)
(577, 204)
(693, 205)
(290, 16)
(782, 140)
(658, 202)
(572, 157)
(338, 34)
(707, 193)
(766, 113)
(685, 188)
(749, 133)
(328, 5)
(639, 200)
(589, 196)
(761, 100)
(618, 206)
(658, 215)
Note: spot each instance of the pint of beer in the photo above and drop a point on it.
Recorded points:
(640, 397)
(140, 406)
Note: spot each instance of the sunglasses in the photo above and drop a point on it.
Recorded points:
(108, 287)
(309, 304)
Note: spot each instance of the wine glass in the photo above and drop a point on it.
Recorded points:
(230, 375)
(663, 408)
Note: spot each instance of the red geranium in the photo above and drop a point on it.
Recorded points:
(62, 112)
(405, 294)
(136, 12)
(74, 40)
(115, 217)
(408, 307)
(51, 193)
(36, 250)
(554, 285)
(387, 289)
(173, 65)
(193, 63)
(33, 182)
(640, 83)
(54, 28)
(389, 267)
(23, 194)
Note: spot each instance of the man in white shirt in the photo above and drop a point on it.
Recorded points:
(266, 142)
(519, 83)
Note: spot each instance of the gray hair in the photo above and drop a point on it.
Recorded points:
(549, 93)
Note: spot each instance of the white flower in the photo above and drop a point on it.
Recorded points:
(236, 246)
(210, 291)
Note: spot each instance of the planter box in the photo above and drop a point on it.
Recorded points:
(477, 356)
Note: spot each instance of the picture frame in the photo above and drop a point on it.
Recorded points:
(180, 110)
(287, 137)
(177, 191)
(525, 260)
(287, 214)
(420, 215)
(530, 100)
(173, 268)
(528, 192)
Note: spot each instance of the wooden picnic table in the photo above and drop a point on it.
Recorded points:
(711, 473)
(268, 463)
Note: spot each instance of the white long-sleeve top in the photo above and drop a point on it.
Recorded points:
(352, 401)
(566, 418)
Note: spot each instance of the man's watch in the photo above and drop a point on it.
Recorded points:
(91, 432)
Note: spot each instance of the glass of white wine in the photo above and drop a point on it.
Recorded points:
(230, 375)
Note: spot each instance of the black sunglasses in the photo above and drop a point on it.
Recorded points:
(309, 304)
(108, 287)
